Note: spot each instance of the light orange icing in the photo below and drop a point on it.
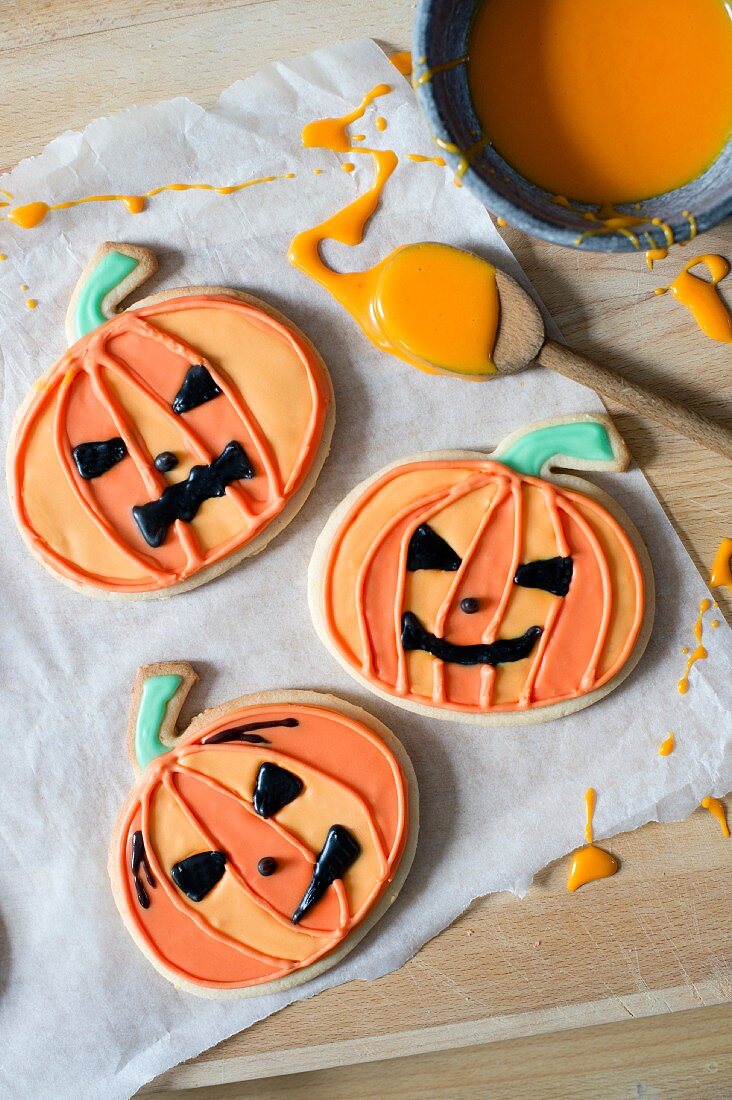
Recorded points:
(494, 519)
(199, 797)
(120, 381)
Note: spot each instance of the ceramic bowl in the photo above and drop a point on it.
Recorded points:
(440, 36)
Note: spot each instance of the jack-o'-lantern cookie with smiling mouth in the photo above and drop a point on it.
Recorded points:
(488, 589)
(260, 845)
(172, 439)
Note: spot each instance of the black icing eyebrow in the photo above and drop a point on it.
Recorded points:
(94, 459)
(337, 854)
(551, 574)
(197, 875)
(428, 550)
(275, 788)
(245, 733)
(197, 388)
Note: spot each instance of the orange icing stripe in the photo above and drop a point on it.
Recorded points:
(312, 742)
(372, 564)
(92, 356)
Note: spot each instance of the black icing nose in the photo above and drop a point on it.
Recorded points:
(165, 462)
(469, 605)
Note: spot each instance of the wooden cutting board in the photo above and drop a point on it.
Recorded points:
(654, 939)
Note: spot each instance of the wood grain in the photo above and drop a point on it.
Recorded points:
(657, 937)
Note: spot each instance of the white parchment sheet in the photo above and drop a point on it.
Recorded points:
(82, 1014)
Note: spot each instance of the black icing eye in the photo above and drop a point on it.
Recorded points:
(336, 856)
(198, 874)
(276, 787)
(469, 605)
(198, 387)
(552, 575)
(94, 459)
(428, 550)
(165, 462)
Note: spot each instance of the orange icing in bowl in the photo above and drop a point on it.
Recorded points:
(570, 96)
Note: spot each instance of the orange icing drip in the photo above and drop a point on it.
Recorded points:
(197, 797)
(568, 96)
(654, 254)
(720, 575)
(587, 635)
(32, 214)
(716, 809)
(419, 159)
(428, 73)
(82, 397)
(590, 863)
(402, 62)
(697, 654)
(702, 299)
(667, 746)
(611, 221)
(414, 303)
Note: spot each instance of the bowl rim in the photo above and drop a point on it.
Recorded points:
(518, 216)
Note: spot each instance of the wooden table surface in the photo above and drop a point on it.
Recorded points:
(501, 987)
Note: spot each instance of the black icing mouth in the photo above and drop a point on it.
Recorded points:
(504, 651)
(183, 499)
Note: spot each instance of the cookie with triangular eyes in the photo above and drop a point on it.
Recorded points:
(488, 588)
(172, 440)
(261, 844)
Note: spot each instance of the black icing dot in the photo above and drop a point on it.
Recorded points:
(165, 462)
(469, 605)
(267, 866)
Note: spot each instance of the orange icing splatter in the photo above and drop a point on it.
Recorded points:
(699, 653)
(667, 746)
(720, 575)
(702, 299)
(716, 809)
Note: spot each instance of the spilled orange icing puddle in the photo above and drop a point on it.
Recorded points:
(699, 653)
(431, 305)
(402, 62)
(590, 863)
(720, 575)
(716, 809)
(701, 297)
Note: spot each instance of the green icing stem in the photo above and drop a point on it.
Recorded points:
(587, 440)
(109, 273)
(156, 694)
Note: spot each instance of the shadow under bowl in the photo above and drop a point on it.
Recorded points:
(441, 33)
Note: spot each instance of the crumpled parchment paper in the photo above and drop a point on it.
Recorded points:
(82, 1014)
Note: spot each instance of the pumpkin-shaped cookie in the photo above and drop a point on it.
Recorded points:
(259, 846)
(461, 585)
(171, 440)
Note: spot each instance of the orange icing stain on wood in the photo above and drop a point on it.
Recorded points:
(569, 98)
(667, 746)
(402, 62)
(31, 214)
(701, 297)
(720, 575)
(716, 809)
(699, 653)
(590, 863)
(412, 304)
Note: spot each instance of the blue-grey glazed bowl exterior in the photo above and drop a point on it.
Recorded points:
(441, 32)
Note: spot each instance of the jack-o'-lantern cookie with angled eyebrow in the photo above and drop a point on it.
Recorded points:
(259, 846)
(488, 588)
(172, 439)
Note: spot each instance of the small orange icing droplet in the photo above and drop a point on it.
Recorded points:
(716, 809)
(31, 303)
(134, 203)
(721, 572)
(348, 166)
(2, 257)
(402, 62)
(667, 746)
(23, 286)
(380, 124)
(501, 221)
(30, 215)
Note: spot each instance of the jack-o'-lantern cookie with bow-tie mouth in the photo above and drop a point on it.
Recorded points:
(488, 588)
(259, 846)
(172, 439)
